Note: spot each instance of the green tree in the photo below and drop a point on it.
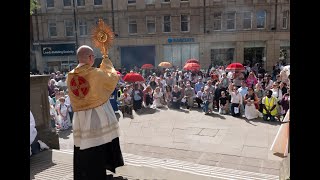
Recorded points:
(34, 4)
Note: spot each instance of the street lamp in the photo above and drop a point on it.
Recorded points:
(75, 23)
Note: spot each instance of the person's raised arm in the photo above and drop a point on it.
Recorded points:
(111, 74)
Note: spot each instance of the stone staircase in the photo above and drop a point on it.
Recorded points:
(57, 165)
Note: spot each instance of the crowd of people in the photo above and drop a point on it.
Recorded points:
(60, 107)
(250, 94)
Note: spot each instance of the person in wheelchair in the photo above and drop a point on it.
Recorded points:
(125, 102)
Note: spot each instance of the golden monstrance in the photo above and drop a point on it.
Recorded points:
(102, 37)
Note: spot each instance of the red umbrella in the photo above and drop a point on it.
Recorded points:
(235, 67)
(133, 77)
(147, 66)
(191, 67)
(192, 61)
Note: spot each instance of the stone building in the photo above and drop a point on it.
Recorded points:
(151, 31)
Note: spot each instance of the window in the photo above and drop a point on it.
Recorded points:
(81, 3)
(222, 57)
(285, 20)
(66, 3)
(285, 54)
(177, 54)
(131, 1)
(165, 1)
(253, 55)
(149, 1)
(151, 24)
(166, 23)
(231, 20)
(247, 20)
(97, 2)
(185, 23)
(83, 27)
(184, 0)
(261, 19)
(50, 3)
(217, 21)
(132, 26)
(69, 28)
(52, 29)
(96, 20)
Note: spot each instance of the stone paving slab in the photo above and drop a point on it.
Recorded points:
(255, 152)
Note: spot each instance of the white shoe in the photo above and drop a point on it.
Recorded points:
(43, 145)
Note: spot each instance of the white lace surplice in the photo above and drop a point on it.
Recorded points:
(157, 99)
(95, 127)
(251, 112)
(281, 141)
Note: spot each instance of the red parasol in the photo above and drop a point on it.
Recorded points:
(147, 66)
(238, 67)
(192, 67)
(192, 61)
(133, 77)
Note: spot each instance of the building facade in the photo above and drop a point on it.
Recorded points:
(151, 31)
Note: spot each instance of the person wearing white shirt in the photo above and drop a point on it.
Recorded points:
(230, 75)
(68, 103)
(62, 84)
(236, 101)
(199, 96)
(33, 130)
(276, 91)
(126, 102)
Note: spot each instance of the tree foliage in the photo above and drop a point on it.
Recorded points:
(34, 4)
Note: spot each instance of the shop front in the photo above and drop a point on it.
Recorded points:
(58, 57)
(222, 53)
(179, 50)
(135, 56)
(254, 52)
(285, 52)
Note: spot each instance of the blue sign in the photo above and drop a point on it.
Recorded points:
(58, 49)
(180, 40)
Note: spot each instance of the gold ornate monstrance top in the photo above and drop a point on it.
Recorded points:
(102, 37)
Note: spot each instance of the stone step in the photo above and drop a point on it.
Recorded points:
(57, 164)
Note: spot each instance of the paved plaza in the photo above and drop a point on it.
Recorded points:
(191, 136)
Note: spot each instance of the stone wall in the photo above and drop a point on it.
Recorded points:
(39, 106)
